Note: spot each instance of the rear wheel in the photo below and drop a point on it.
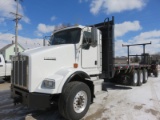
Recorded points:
(140, 77)
(156, 73)
(8, 79)
(149, 73)
(134, 78)
(145, 76)
(74, 101)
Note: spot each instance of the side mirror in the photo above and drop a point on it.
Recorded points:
(94, 36)
(86, 46)
(49, 43)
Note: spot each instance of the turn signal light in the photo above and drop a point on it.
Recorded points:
(75, 65)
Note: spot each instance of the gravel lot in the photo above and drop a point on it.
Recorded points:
(119, 103)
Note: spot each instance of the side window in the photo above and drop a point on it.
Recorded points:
(86, 40)
(86, 37)
(15, 49)
(10, 57)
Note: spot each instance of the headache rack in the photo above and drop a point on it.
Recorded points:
(107, 29)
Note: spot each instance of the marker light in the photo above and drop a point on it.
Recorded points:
(75, 65)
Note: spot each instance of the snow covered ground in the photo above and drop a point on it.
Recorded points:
(119, 103)
(128, 103)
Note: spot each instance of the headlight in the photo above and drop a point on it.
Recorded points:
(49, 83)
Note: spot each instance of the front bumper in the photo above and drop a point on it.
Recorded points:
(32, 100)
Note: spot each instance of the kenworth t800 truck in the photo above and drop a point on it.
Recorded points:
(71, 71)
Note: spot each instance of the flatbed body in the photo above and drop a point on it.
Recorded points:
(129, 67)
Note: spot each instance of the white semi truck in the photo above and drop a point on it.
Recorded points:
(71, 71)
(5, 68)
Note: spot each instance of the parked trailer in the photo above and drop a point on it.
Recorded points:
(71, 71)
(136, 74)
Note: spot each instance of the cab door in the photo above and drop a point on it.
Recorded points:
(89, 54)
(2, 67)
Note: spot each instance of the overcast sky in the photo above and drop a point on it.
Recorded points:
(136, 21)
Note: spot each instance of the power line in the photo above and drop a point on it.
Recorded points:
(6, 21)
(4, 3)
(2, 33)
(1, 5)
(7, 18)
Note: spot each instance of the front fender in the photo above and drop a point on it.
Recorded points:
(61, 77)
(65, 73)
(68, 74)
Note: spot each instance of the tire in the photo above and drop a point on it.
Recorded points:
(156, 73)
(8, 79)
(140, 77)
(145, 76)
(74, 101)
(134, 78)
(149, 73)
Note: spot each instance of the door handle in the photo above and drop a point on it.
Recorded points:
(95, 62)
(1, 65)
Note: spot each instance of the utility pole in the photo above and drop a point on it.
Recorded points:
(44, 43)
(17, 18)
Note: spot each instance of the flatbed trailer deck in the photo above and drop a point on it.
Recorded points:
(134, 74)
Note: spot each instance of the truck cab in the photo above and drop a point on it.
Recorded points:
(86, 49)
(67, 71)
(5, 68)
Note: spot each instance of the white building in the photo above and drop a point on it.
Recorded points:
(9, 50)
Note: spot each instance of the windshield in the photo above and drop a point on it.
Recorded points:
(70, 36)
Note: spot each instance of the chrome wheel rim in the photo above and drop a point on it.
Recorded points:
(80, 101)
(141, 77)
(135, 78)
(146, 76)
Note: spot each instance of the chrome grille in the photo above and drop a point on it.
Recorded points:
(19, 75)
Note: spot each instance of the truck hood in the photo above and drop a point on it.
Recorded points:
(45, 49)
(46, 61)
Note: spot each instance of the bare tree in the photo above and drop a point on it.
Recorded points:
(63, 25)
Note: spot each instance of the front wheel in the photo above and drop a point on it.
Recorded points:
(74, 101)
